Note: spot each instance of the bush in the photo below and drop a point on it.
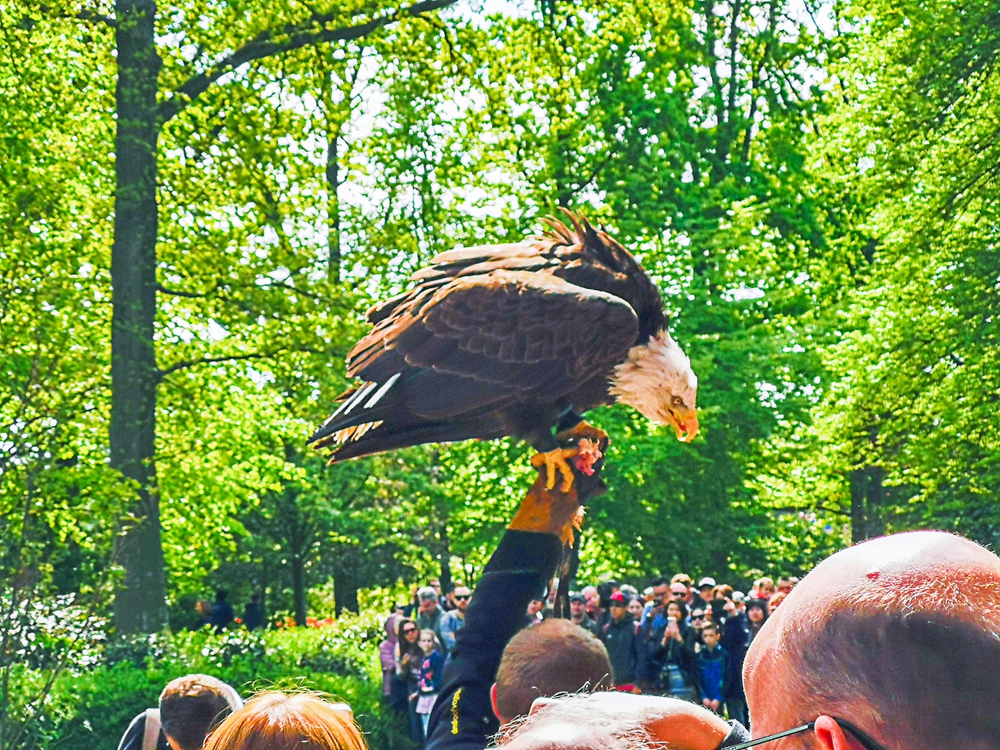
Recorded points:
(90, 710)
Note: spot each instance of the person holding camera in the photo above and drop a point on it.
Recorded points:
(676, 656)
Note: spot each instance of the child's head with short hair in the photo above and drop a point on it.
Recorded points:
(710, 634)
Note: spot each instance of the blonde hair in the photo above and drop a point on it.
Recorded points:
(278, 721)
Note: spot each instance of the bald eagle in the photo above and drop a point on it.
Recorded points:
(516, 339)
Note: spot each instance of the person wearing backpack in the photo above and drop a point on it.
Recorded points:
(190, 708)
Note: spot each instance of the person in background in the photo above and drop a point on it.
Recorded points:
(683, 579)
(387, 658)
(447, 601)
(774, 602)
(409, 657)
(736, 641)
(699, 619)
(763, 588)
(722, 591)
(430, 678)
(740, 602)
(619, 638)
(716, 612)
(594, 609)
(540, 662)
(485, 655)
(674, 659)
(253, 612)
(275, 720)
(204, 609)
(705, 586)
(714, 670)
(222, 612)
(578, 613)
(655, 603)
(534, 612)
(452, 622)
(190, 707)
(635, 609)
(429, 611)
(756, 616)
(786, 584)
(679, 593)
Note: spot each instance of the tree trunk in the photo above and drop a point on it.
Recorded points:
(345, 588)
(445, 558)
(867, 498)
(875, 498)
(141, 605)
(299, 589)
(333, 204)
(858, 521)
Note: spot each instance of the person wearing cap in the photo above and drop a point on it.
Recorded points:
(578, 613)
(619, 638)
(705, 587)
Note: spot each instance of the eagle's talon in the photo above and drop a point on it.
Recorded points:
(556, 460)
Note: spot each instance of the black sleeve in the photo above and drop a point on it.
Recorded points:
(519, 569)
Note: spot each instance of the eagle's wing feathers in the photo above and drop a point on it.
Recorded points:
(524, 331)
(492, 328)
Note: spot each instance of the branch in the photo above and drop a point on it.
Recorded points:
(81, 15)
(292, 37)
(184, 364)
(177, 293)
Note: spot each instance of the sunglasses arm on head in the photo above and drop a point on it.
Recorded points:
(863, 739)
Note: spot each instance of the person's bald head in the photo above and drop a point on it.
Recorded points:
(614, 721)
(555, 656)
(900, 635)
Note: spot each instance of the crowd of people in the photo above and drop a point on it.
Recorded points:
(675, 638)
(890, 644)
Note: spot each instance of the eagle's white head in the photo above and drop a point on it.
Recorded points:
(657, 380)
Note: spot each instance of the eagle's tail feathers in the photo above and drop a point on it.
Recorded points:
(380, 438)
(364, 402)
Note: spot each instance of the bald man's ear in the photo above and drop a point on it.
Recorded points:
(493, 700)
(830, 735)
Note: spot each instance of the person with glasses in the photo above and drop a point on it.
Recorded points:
(452, 622)
(893, 643)
(409, 657)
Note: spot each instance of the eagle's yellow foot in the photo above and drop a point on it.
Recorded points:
(553, 461)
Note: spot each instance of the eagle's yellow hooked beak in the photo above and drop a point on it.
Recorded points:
(684, 422)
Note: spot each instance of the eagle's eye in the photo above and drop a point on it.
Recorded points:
(677, 401)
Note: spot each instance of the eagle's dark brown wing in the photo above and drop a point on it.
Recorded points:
(476, 345)
(489, 329)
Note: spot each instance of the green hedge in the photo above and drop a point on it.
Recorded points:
(89, 708)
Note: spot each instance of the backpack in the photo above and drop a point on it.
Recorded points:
(152, 731)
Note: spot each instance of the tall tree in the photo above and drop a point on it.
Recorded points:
(143, 107)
